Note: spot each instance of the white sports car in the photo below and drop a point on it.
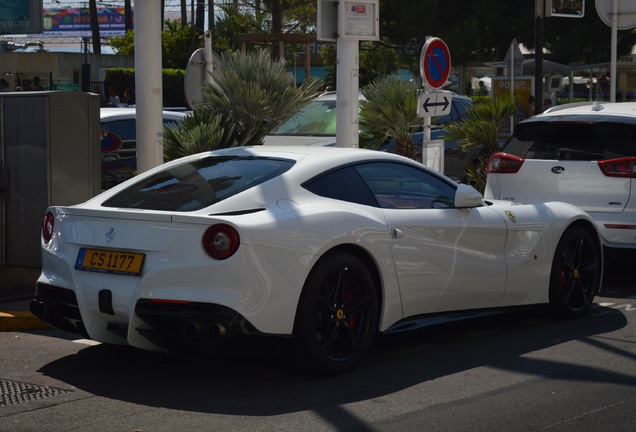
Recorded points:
(328, 245)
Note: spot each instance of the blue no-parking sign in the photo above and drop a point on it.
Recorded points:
(435, 63)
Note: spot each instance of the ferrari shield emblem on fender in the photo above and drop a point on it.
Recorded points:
(511, 215)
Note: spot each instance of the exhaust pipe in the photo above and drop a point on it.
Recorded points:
(39, 309)
(192, 331)
(200, 332)
(217, 331)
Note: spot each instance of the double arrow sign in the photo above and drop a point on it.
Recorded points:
(434, 104)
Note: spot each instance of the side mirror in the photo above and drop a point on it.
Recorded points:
(468, 197)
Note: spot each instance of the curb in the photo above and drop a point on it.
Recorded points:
(20, 320)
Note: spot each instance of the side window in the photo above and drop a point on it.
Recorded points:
(398, 186)
(344, 184)
(126, 130)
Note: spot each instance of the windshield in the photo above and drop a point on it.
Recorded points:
(318, 118)
(198, 184)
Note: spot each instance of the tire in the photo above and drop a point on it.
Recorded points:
(576, 273)
(337, 315)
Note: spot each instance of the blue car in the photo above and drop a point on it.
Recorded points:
(455, 158)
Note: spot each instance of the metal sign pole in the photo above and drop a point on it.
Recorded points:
(613, 72)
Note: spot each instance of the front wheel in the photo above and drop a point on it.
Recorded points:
(337, 314)
(576, 273)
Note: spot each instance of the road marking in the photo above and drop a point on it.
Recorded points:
(87, 342)
(627, 306)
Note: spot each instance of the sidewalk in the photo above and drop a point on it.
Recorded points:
(17, 286)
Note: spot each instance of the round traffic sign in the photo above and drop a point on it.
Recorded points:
(435, 62)
(624, 20)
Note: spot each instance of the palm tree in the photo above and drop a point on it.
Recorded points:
(390, 111)
(482, 129)
(198, 132)
(249, 96)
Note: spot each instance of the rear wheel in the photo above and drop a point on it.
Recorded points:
(337, 314)
(576, 273)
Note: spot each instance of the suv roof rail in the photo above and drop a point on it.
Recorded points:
(568, 105)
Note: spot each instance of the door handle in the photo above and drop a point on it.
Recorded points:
(397, 233)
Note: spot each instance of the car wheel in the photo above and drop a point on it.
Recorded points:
(576, 273)
(337, 314)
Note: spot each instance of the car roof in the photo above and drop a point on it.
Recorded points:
(596, 108)
(320, 158)
(332, 96)
(108, 113)
(301, 152)
(622, 112)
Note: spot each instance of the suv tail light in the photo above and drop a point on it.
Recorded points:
(48, 225)
(504, 163)
(622, 167)
(220, 241)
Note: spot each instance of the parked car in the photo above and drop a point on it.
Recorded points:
(325, 245)
(583, 154)
(315, 125)
(119, 142)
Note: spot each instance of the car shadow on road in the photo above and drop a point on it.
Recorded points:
(265, 380)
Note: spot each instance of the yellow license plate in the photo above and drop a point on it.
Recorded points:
(107, 261)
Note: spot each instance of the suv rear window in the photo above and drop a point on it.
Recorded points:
(588, 141)
(198, 184)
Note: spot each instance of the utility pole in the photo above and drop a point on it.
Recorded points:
(538, 55)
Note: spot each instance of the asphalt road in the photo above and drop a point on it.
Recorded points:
(519, 371)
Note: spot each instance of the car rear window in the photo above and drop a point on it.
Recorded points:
(589, 141)
(198, 184)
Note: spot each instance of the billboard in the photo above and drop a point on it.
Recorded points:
(565, 8)
(20, 16)
(77, 22)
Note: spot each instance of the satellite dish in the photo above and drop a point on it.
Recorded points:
(196, 75)
(626, 19)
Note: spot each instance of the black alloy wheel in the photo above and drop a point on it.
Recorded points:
(337, 314)
(576, 273)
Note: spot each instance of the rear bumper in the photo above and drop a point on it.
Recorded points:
(176, 326)
(617, 230)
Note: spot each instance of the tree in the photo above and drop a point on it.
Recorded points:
(235, 22)
(390, 111)
(474, 31)
(128, 15)
(481, 131)
(200, 131)
(376, 61)
(178, 43)
(97, 45)
(249, 96)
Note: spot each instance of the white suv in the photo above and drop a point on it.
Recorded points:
(583, 154)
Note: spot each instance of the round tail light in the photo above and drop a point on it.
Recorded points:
(48, 224)
(221, 241)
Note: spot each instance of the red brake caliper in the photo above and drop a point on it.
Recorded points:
(352, 318)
